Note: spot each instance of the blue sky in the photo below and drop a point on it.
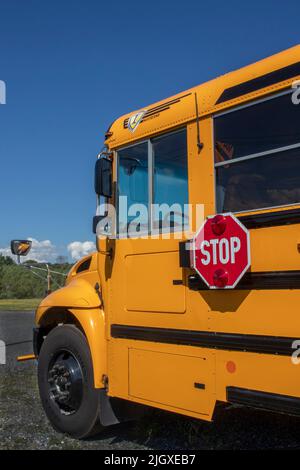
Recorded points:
(73, 66)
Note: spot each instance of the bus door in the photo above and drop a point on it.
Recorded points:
(148, 292)
(147, 279)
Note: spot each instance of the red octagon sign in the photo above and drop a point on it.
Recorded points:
(221, 251)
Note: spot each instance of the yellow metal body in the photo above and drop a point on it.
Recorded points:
(82, 304)
(137, 289)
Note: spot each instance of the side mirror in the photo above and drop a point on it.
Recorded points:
(103, 177)
(20, 247)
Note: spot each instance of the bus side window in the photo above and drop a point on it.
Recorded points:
(257, 155)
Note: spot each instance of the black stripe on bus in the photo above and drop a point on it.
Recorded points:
(271, 219)
(258, 83)
(264, 400)
(261, 280)
(280, 345)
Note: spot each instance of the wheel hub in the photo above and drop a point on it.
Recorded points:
(66, 382)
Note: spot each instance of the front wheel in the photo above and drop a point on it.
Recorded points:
(66, 383)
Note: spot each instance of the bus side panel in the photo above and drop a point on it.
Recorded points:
(190, 380)
(175, 378)
(253, 312)
(260, 372)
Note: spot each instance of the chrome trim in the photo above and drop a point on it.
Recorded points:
(213, 163)
(151, 137)
(260, 154)
(150, 185)
(261, 209)
(136, 142)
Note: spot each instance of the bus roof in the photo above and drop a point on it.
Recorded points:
(251, 82)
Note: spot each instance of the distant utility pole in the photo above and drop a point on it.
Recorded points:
(48, 280)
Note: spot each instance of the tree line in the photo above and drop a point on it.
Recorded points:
(19, 282)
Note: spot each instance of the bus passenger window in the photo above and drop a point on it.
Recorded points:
(170, 185)
(257, 155)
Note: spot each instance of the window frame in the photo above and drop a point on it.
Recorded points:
(250, 156)
(151, 164)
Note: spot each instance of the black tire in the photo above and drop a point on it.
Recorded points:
(72, 407)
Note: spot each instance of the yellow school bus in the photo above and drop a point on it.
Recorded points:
(135, 325)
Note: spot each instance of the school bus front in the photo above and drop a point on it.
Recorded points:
(138, 323)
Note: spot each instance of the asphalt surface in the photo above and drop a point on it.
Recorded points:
(23, 424)
(16, 332)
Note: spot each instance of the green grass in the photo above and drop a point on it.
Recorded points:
(19, 304)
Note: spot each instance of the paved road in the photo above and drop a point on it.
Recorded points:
(23, 424)
(16, 332)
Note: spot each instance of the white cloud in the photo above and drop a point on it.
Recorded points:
(79, 249)
(42, 251)
(6, 252)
